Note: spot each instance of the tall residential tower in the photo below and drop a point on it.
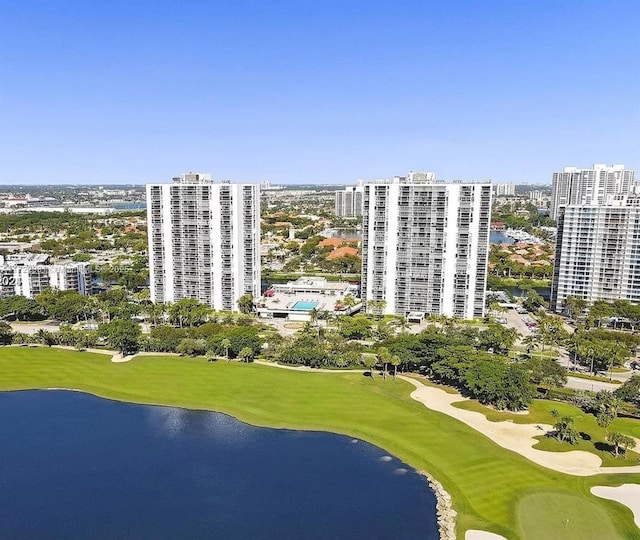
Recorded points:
(348, 202)
(204, 241)
(589, 186)
(425, 246)
(598, 252)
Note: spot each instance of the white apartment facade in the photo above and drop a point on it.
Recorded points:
(348, 203)
(597, 185)
(505, 190)
(598, 252)
(204, 241)
(30, 276)
(425, 246)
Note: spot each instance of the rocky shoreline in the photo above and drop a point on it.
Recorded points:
(446, 513)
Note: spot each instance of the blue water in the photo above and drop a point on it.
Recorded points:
(304, 306)
(76, 466)
(498, 237)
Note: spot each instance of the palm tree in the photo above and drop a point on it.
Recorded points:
(395, 362)
(226, 344)
(246, 354)
(349, 301)
(385, 357)
(620, 440)
(565, 430)
(369, 360)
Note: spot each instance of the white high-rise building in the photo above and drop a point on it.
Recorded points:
(425, 246)
(589, 186)
(348, 203)
(29, 275)
(505, 190)
(598, 252)
(204, 241)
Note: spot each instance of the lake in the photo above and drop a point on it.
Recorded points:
(77, 466)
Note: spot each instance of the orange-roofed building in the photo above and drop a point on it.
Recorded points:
(342, 252)
(331, 242)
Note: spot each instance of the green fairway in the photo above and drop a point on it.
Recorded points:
(486, 482)
(557, 515)
(540, 413)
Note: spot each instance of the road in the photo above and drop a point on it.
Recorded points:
(593, 386)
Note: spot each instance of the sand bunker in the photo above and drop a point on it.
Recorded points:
(627, 494)
(519, 438)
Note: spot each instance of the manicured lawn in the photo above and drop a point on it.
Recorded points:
(540, 413)
(486, 482)
(549, 514)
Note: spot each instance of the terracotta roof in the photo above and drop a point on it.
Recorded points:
(331, 242)
(341, 252)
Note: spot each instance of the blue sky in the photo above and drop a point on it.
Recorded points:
(305, 91)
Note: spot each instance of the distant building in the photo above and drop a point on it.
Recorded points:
(204, 241)
(30, 274)
(537, 195)
(348, 203)
(505, 190)
(425, 246)
(598, 252)
(597, 185)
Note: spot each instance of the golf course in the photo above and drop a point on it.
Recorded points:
(492, 489)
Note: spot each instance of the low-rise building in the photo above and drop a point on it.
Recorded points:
(295, 300)
(31, 274)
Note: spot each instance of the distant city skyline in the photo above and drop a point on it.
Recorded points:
(315, 93)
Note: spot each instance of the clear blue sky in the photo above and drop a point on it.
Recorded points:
(306, 91)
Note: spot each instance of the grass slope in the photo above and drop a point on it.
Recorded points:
(485, 481)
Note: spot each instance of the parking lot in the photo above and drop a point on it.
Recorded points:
(517, 321)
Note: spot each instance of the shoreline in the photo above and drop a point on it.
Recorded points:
(446, 515)
(418, 462)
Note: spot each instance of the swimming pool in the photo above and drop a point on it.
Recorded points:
(304, 306)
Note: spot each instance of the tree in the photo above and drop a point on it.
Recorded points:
(574, 306)
(154, 312)
(192, 347)
(551, 330)
(533, 301)
(226, 344)
(565, 432)
(45, 337)
(6, 333)
(358, 327)
(620, 440)
(245, 303)
(395, 362)
(377, 307)
(604, 418)
(629, 391)
(498, 338)
(369, 360)
(20, 307)
(349, 301)
(546, 372)
(166, 338)
(122, 334)
(188, 312)
(385, 357)
(246, 354)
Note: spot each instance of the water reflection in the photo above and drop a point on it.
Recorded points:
(173, 422)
